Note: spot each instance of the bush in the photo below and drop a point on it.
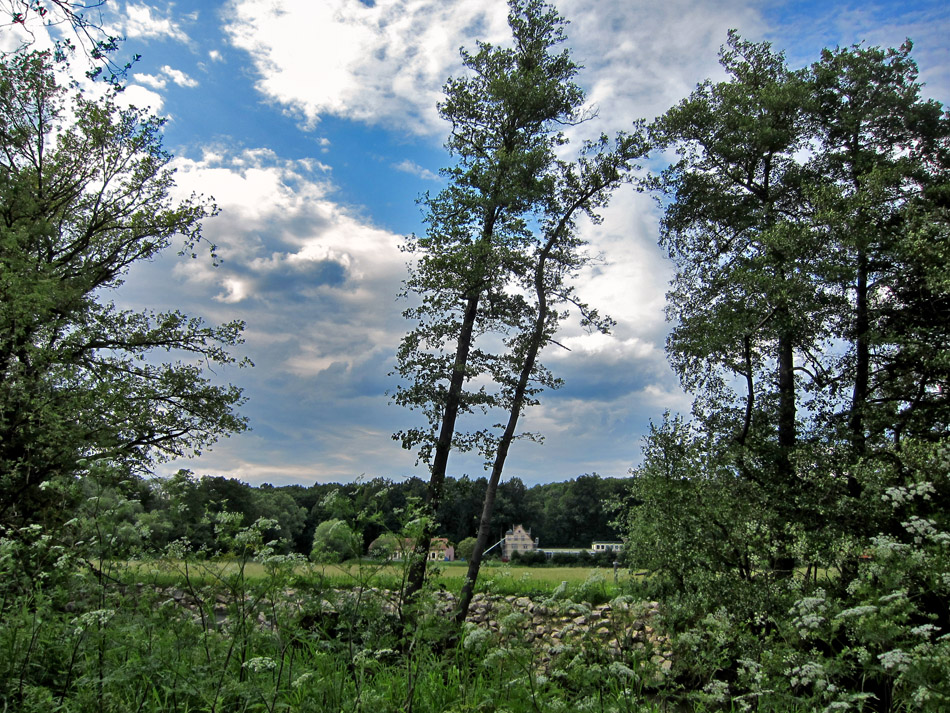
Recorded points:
(529, 559)
(465, 548)
(335, 541)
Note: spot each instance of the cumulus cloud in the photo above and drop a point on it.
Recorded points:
(315, 280)
(145, 22)
(325, 278)
(316, 285)
(151, 80)
(641, 58)
(384, 61)
(158, 82)
(387, 61)
(142, 97)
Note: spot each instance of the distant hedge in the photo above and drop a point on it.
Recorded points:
(539, 558)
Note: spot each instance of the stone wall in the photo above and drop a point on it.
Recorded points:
(621, 627)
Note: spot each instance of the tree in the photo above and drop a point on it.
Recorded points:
(505, 118)
(578, 189)
(806, 220)
(462, 502)
(335, 541)
(71, 26)
(81, 200)
(744, 297)
(806, 217)
(881, 167)
(465, 548)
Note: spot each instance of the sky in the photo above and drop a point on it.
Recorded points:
(313, 125)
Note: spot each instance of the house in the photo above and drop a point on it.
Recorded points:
(517, 539)
(440, 550)
(390, 547)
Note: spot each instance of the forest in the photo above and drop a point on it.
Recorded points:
(786, 543)
(571, 514)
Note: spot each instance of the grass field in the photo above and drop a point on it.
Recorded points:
(494, 577)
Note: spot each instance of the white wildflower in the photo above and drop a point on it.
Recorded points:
(475, 637)
(97, 618)
(855, 612)
(717, 690)
(920, 528)
(302, 679)
(895, 659)
(260, 663)
(808, 614)
(924, 630)
(620, 671)
(893, 596)
(809, 673)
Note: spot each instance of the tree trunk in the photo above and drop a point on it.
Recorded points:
(787, 436)
(783, 564)
(417, 566)
(488, 505)
(536, 341)
(862, 366)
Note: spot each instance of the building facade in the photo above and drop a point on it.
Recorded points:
(517, 539)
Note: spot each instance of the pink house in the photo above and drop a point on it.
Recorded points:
(441, 551)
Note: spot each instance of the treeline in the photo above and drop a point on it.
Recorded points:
(185, 507)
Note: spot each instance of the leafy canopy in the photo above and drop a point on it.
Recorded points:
(84, 195)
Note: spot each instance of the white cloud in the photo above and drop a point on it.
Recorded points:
(215, 56)
(316, 285)
(151, 80)
(138, 95)
(285, 242)
(408, 166)
(387, 62)
(135, 95)
(143, 21)
(179, 77)
(641, 58)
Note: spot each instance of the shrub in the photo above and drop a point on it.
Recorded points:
(334, 541)
(529, 559)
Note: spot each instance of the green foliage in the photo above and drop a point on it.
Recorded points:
(796, 526)
(874, 640)
(84, 194)
(529, 558)
(185, 634)
(693, 515)
(506, 117)
(335, 541)
(463, 550)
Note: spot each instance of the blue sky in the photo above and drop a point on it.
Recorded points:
(313, 125)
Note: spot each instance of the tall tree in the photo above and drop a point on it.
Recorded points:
(880, 159)
(505, 119)
(84, 194)
(580, 190)
(743, 297)
(806, 218)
